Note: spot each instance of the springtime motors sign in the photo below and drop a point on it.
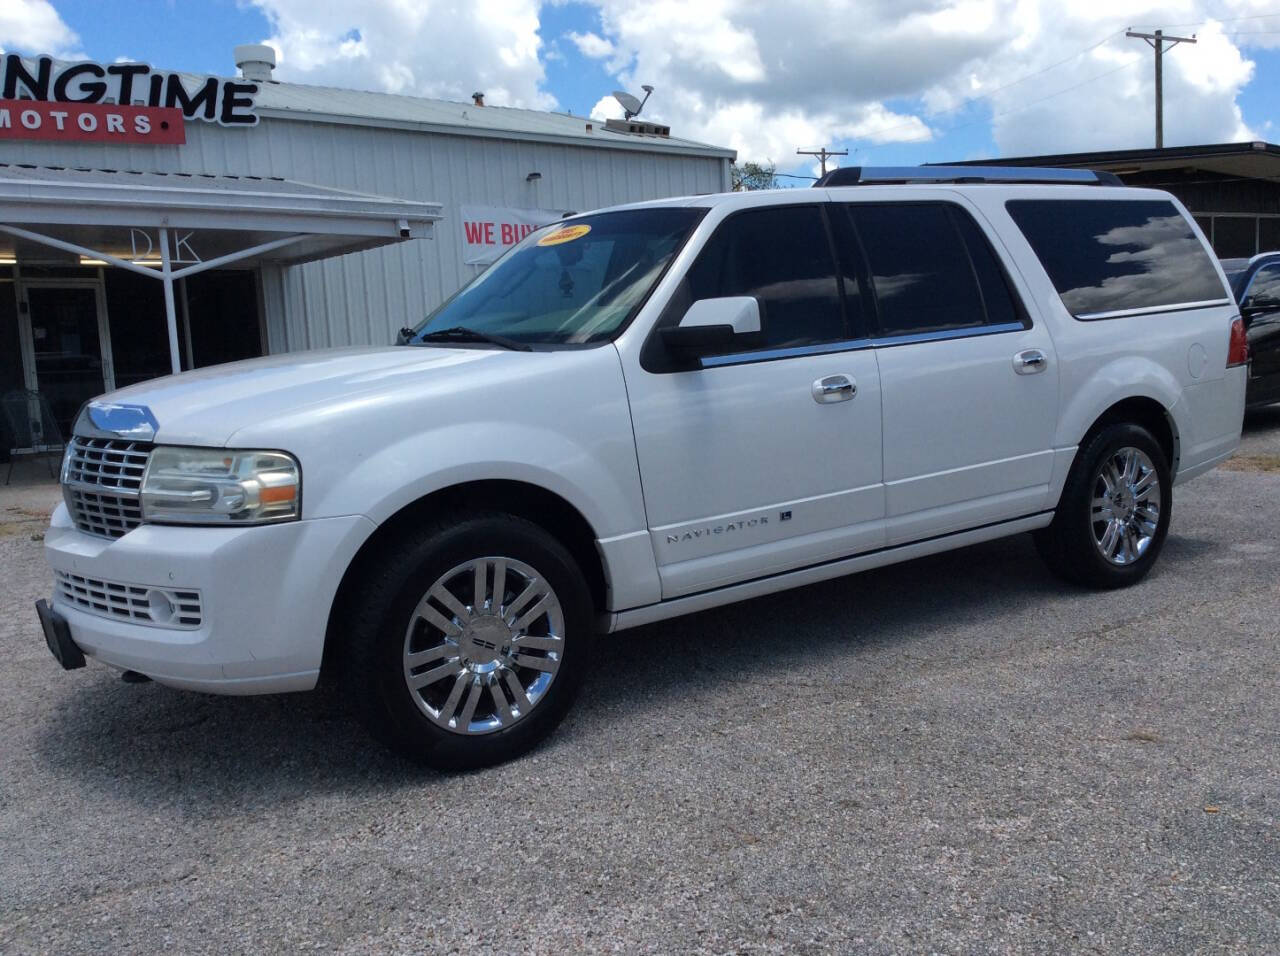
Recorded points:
(87, 86)
(91, 122)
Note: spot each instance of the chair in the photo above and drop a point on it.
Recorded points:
(30, 427)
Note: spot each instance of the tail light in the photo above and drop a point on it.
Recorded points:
(1238, 347)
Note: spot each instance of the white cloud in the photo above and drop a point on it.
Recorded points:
(592, 45)
(1042, 76)
(419, 48)
(34, 26)
(768, 78)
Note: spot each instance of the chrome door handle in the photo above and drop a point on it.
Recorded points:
(1030, 362)
(834, 388)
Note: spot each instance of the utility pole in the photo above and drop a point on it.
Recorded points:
(824, 154)
(1157, 41)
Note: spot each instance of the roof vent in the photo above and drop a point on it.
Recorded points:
(637, 127)
(255, 61)
(478, 97)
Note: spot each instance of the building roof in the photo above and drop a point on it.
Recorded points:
(99, 207)
(1256, 160)
(362, 107)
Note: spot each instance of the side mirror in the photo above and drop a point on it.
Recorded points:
(1259, 305)
(713, 326)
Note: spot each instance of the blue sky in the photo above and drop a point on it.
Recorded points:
(740, 79)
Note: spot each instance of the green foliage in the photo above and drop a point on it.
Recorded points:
(750, 176)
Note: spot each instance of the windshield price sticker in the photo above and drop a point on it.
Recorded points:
(567, 234)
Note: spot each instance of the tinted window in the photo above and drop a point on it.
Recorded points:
(1265, 287)
(782, 256)
(1110, 255)
(574, 282)
(997, 296)
(921, 271)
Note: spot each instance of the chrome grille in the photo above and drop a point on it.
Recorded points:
(102, 481)
(159, 607)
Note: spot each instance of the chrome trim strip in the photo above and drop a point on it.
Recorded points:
(939, 336)
(765, 355)
(850, 345)
(1150, 310)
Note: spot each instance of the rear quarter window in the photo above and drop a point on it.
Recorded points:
(1118, 256)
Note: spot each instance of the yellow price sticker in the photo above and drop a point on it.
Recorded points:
(567, 234)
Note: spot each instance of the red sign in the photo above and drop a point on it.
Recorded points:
(91, 122)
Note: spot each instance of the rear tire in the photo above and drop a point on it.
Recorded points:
(467, 643)
(1114, 512)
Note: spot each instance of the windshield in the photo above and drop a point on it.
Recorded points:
(575, 282)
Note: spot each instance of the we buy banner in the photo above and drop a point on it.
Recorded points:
(489, 231)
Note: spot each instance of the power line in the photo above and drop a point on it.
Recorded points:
(985, 94)
(1200, 23)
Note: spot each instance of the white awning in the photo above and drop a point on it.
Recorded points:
(172, 225)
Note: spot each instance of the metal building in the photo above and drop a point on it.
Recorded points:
(101, 167)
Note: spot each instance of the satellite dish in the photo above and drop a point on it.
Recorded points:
(630, 104)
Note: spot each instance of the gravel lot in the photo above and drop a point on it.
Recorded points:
(957, 754)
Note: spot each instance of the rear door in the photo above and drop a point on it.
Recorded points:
(969, 384)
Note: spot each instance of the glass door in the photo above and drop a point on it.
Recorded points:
(69, 347)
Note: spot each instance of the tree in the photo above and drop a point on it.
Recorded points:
(754, 176)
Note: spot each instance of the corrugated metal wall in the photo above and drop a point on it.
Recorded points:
(365, 297)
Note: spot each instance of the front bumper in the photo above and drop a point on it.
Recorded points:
(265, 596)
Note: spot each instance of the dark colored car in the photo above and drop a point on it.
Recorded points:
(1256, 284)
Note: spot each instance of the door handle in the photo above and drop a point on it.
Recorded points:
(834, 388)
(1029, 362)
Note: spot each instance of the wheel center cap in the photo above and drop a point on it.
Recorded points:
(1125, 503)
(485, 641)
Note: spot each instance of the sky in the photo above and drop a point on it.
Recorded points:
(895, 82)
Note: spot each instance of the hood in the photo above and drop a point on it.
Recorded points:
(207, 406)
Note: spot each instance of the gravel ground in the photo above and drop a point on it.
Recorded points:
(958, 755)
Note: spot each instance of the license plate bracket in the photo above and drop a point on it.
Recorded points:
(57, 634)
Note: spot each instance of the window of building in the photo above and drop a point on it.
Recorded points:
(782, 256)
(1235, 236)
(1269, 233)
(931, 269)
(1106, 256)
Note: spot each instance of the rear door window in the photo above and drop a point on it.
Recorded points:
(931, 269)
(1113, 257)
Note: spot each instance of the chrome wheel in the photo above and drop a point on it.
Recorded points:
(1126, 505)
(483, 645)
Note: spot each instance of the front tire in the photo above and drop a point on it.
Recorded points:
(1114, 512)
(468, 642)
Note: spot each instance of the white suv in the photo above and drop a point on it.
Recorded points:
(647, 411)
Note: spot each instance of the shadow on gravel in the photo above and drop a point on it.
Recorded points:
(151, 745)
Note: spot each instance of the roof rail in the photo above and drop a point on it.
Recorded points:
(893, 175)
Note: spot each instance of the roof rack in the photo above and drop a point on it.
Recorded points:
(895, 175)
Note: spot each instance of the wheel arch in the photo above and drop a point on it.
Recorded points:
(1147, 412)
(546, 509)
(1150, 414)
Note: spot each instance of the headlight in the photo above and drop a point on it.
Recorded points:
(220, 486)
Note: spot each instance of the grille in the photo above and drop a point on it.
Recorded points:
(159, 607)
(102, 481)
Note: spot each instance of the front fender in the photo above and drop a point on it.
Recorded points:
(596, 480)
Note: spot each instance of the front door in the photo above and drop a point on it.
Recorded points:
(750, 469)
(66, 344)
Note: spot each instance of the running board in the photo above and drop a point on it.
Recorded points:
(651, 613)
